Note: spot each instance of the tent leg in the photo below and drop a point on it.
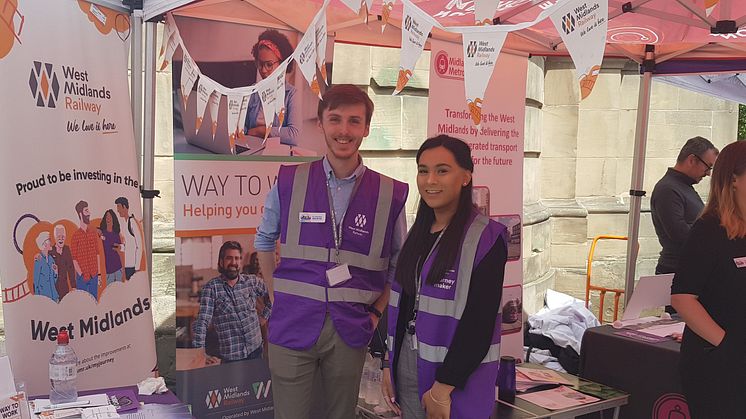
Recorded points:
(136, 81)
(638, 175)
(149, 138)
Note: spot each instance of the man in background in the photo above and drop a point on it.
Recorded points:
(132, 237)
(674, 203)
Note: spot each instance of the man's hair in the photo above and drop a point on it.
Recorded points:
(697, 146)
(343, 95)
(59, 227)
(123, 201)
(229, 245)
(80, 206)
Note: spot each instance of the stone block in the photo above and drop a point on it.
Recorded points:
(655, 168)
(385, 68)
(163, 168)
(531, 179)
(386, 124)
(570, 281)
(664, 96)
(414, 121)
(663, 140)
(535, 79)
(399, 168)
(702, 119)
(352, 64)
(559, 131)
(629, 91)
(535, 290)
(569, 230)
(164, 290)
(561, 87)
(163, 207)
(607, 224)
(597, 133)
(532, 130)
(569, 255)
(625, 141)
(541, 236)
(164, 115)
(647, 230)
(605, 94)
(689, 100)
(724, 128)
(526, 237)
(610, 250)
(163, 236)
(558, 177)
(649, 247)
(623, 176)
(595, 176)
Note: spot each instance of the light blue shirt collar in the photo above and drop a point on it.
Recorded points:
(359, 170)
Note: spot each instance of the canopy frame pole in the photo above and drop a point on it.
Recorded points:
(136, 82)
(148, 168)
(638, 171)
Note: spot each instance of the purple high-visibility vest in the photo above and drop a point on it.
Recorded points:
(440, 309)
(301, 289)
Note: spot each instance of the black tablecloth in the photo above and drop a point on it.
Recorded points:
(648, 372)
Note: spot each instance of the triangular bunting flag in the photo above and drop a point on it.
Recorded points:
(234, 111)
(321, 37)
(416, 26)
(242, 113)
(710, 6)
(205, 89)
(279, 75)
(582, 25)
(266, 90)
(305, 56)
(213, 104)
(484, 11)
(173, 42)
(481, 49)
(168, 29)
(189, 74)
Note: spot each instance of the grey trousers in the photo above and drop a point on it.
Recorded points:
(406, 382)
(294, 372)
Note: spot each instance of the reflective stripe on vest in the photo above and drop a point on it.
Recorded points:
(394, 298)
(372, 261)
(319, 293)
(437, 354)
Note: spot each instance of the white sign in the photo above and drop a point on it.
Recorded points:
(416, 26)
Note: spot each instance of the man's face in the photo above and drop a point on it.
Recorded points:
(85, 216)
(344, 128)
(702, 165)
(230, 264)
(122, 210)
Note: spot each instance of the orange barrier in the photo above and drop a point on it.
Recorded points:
(602, 290)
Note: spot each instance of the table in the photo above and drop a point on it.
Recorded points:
(611, 400)
(649, 372)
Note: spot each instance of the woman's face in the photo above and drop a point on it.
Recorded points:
(739, 189)
(109, 221)
(267, 61)
(440, 179)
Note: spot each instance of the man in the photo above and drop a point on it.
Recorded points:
(45, 270)
(63, 258)
(132, 237)
(85, 251)
(229, 302)
(341, 226)
(674, 203)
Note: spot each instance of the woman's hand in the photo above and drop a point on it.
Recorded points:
(437, 401)
(389, 395)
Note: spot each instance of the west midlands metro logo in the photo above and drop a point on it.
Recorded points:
(471, 49)
(44, 85)
(568, 23)
(261, 389)
(360, 220)
(213, 399)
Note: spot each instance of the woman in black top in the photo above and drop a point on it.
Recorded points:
(444, 183)
(709, 290)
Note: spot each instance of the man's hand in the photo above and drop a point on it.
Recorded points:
(374, 320)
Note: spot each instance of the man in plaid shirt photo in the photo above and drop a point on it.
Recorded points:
(228, 302)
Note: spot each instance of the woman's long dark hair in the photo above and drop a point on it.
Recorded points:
(114, 222)
(448, 247)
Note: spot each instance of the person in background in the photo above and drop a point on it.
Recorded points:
(111, 238)
(45, 270)
(84, 248)
(269, 52)
(675, 205)
(228, 302)
(708, 292)
(340, 226)
(133, 250)
(443, 309)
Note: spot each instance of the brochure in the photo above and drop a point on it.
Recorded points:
(558, 398)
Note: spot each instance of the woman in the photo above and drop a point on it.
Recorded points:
(443, 310)
(708, 292)
(112, 241)
(269, 52)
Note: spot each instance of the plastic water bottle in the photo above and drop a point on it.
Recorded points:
(63, 371)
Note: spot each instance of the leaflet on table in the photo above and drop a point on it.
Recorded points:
(160, 411)
(43, 406)
(542, 376)
(558, 398)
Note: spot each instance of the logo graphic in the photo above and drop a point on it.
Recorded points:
(44, 85)
(671, 405)
(213, 399)
(408, 22)
(441, 63)
(568, 23)
(360, 220)
(261, 389)
(471, 49)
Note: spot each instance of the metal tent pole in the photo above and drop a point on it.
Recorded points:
(136, 80)
(638, 170)
(148, 165)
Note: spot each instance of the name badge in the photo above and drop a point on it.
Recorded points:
(740, 262)
(312, 217)
(338, 274)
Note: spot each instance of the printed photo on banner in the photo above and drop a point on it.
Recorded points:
(235, 83)
(511, 309)
(513, 224)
